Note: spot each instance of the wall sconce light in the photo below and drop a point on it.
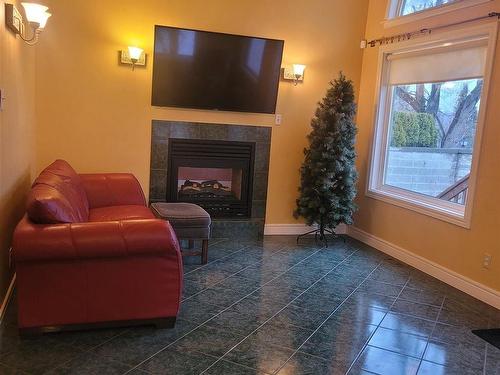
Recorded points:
(298, 72)
(36, 15)
(134, 56)
(294, 73)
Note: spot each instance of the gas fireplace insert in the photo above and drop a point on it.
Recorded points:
(216, 175)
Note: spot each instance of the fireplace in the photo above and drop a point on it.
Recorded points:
(223, 167)
(217, 175)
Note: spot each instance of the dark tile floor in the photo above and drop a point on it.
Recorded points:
(274, 307)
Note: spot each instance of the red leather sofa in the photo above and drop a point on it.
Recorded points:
(89, 252)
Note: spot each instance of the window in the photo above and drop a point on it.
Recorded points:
(404, 11)
(431, 106)
(413, 6)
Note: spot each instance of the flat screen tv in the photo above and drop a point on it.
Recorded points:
(208, 70)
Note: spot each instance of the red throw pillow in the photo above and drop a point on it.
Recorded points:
(46, 205)
(57, 196)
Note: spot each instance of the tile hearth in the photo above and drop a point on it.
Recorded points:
(274, 307)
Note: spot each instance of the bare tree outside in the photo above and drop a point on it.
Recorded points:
(412, 6)
(431, 138)
(453, 105)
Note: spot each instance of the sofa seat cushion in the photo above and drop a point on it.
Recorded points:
(115, 213)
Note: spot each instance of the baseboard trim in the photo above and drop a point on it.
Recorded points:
(463, 283)
(7, 298)
(294, 229)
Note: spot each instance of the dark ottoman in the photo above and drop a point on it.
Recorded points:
(190, 222)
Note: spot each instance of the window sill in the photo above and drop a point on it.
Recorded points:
(441, 210)
(418, 16)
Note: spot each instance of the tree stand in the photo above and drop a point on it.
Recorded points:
(319, 235)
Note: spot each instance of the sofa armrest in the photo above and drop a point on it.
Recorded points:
(112, 189)
(113, 239)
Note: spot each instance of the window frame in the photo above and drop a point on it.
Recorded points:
(375, 187)
(394, 6)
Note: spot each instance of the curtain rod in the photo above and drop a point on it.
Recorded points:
(407, 36)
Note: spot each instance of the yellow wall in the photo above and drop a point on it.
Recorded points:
(97, 115)
(456, 248)
(17, 127)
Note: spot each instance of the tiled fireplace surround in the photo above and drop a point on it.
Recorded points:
(162, 131)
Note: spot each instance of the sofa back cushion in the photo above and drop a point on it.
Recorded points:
(57, 196)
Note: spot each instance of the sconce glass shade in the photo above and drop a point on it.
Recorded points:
(44, 20)
(36, 13)
(298, 69)
(135, 52)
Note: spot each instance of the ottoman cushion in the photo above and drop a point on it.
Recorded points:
(188, 220)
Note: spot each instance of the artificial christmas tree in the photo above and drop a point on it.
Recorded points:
(328, 174)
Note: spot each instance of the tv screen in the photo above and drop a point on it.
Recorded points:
(208, 70)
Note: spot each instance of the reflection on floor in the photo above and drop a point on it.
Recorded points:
(274, 307)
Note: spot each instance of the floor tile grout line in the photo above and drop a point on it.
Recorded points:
(330, 315)
(431, 334)
(406, 333)
(436, 363)
(378, 326)
(280, 250)
(89, 350)
(414, 316)
(234, 274)
(241, 249)
(418, 317)
(393, 351)
(246, 367)
(217, 283)
(312, 355)
(419, 358)
(215, 241)
(212, 242)
(244, 247)
(221, 240)
(190, 351)
(278, 312)
(419, 303)
(227, 308)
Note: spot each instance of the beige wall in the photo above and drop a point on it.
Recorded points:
(456, 248)
(17, 127)
(97, 115)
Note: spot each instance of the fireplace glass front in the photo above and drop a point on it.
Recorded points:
(214, 175)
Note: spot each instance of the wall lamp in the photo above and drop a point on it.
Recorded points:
(134, 56)
(294, 73)
(36, 15)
